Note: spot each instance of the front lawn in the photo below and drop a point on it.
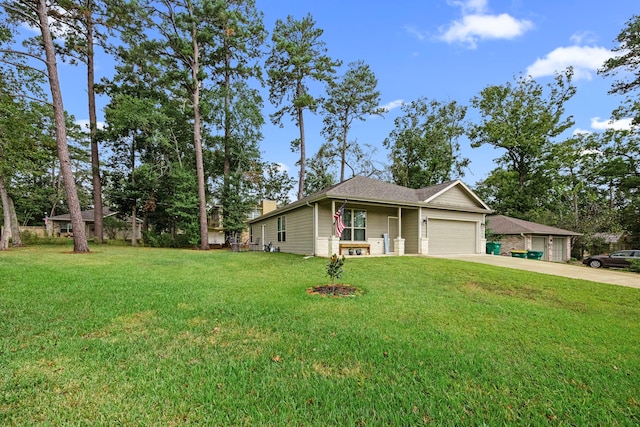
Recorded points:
(126, 336)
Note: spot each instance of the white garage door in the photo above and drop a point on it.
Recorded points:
(451, 237)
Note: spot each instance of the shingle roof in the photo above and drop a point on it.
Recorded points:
(501, 224)
(363, 189)
(87, 216)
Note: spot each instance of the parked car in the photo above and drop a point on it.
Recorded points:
(620, 259)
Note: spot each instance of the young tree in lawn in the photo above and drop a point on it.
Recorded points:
(40, 14)
(352, 97)
(298, 58)
(522, 119)
(424, 143)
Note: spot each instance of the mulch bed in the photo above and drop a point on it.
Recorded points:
(334, 290)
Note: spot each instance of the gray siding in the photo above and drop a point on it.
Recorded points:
(325, 219)
(299, 231)
(455, 197)
(299, 228)
(377, 220)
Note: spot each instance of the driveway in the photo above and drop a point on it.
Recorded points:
(601, 275)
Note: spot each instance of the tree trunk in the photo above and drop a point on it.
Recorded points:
(133, 185)
(16, 239)
(93, 127)
(4, 238)
(227, 118)
(197, 141)
(302, 155)
(343, 154)
(79, 237)
(133, 226)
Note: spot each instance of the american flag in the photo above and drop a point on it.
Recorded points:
(339, 223)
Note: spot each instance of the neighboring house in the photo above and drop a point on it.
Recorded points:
(380, 218)
(518, 234)
(60, 225)
(217, 235)
(614, 241)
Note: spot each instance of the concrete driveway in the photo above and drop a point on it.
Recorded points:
(601, 275)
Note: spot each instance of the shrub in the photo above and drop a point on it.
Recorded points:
(635, 265)
(165, 240)
(335, 267)
(29, 238)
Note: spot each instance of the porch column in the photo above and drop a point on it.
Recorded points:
(398, 244)
(333, 211)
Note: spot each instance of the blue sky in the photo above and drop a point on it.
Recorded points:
(443, 50)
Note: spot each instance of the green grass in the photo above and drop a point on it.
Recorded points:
(127, 336)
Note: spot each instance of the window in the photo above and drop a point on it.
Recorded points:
(622, 254)
(282, 229)
(355, 221)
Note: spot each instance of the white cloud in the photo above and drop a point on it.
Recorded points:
(590, 151)
(622, 124)
(583, 37)
(282, 167)
(579, 131)
(84, 124)
(469, 6)
(473, 28)
(414, 32)
(392, 105)
(585, 60)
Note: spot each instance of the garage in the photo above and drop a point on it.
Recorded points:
(451, 236)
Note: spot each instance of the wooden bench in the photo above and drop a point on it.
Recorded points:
(355, 246)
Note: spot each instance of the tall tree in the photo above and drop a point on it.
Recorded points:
(619, 172)
(298, 57)
(88, 26)
(321, 170)
(621, 148)
(626, 63)
(41, 14)
(523, 119)
(424, 143)
(353, 97)
(185, 50)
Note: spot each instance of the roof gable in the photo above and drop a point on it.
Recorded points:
(453, 194)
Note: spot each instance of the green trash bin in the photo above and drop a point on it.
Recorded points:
(493, 248)
(534, 254)
(519, 254)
